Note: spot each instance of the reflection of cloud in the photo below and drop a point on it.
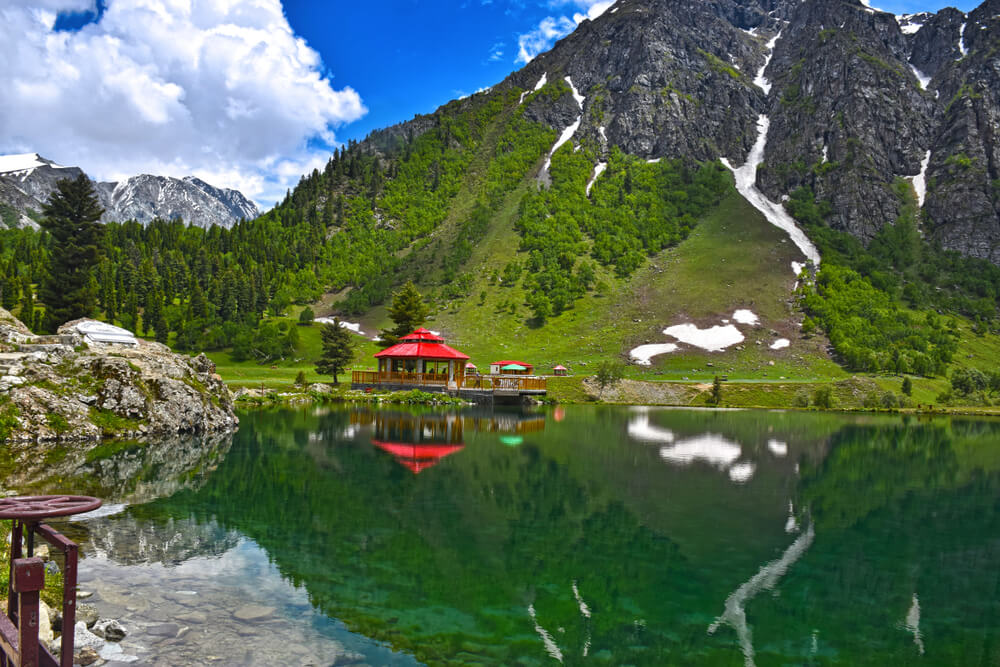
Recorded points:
(765, 579)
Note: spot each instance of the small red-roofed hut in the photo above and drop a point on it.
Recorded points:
(560, 370)
(518, 367)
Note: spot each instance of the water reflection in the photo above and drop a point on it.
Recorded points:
(419, 441)
(712, 448)
(583, 542)
(765, 579)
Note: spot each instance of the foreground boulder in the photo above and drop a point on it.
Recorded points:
(73, 387)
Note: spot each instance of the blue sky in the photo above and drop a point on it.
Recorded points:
(251, 94)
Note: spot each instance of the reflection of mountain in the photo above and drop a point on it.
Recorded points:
(584, 541)
(129, 539)
(128, 472)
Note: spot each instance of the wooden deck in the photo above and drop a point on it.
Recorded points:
(499, 385)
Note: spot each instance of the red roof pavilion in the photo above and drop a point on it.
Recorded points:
(421, 344)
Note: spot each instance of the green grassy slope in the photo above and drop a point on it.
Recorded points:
(733, 259)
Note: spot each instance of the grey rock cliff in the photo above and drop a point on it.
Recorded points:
(57, 388)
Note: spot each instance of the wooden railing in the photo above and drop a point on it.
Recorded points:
(420, 379)
(503, 383)
(479, 382)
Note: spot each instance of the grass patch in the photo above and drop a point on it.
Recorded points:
(57, 422)
(111, 424)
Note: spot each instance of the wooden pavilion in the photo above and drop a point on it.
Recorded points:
(422, 360)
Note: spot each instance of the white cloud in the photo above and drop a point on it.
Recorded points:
(222, 89)
(552, 28)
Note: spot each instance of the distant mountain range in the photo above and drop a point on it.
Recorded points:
(27, 180)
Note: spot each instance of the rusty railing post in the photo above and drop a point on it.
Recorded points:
(29, 578)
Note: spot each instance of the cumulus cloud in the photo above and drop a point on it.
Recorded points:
(552, 28)
(221, 89)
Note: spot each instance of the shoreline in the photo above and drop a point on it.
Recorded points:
(580, 391)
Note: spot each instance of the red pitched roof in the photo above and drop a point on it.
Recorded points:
(422, 334)
(421, 344)
(421, 351)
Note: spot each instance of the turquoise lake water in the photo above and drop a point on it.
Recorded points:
(576, 535)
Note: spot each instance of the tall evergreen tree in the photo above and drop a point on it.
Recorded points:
(408, 311)
(338, 350)
(72, 217)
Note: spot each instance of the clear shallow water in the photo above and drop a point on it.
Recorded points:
(581, 535)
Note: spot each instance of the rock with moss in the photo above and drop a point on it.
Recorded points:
(57, 389)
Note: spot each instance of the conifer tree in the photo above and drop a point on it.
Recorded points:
(338, 350)
(27, 304)
(9, 291)
(72, 217)
(408, 311)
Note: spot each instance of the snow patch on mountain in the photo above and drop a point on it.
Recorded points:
(920, 180)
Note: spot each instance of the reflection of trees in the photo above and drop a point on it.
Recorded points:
(450, 561)
(900, 515)
(872, 466)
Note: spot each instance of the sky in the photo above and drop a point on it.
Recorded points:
(251, 94)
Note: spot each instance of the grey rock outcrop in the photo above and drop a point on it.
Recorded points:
(848, 116)
(663, 78)
(69, 391)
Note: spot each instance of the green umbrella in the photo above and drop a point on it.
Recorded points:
(513, 367)
(511, 440)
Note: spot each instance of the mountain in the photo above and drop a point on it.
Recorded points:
(856, 100)
(867, 140)
(27, 181)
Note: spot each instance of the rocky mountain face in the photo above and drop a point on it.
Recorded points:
(858, 102)
(27, 181)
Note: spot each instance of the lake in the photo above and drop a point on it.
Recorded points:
(606, 535)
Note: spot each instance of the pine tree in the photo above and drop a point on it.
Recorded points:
(717, 391)
(338, 350)
(408, 311)
(72, 217)
(27, 304)
(10, 289)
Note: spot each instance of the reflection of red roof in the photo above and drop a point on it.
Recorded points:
(421, 351)
(424, 335)
(417, 457)
(508, 362)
